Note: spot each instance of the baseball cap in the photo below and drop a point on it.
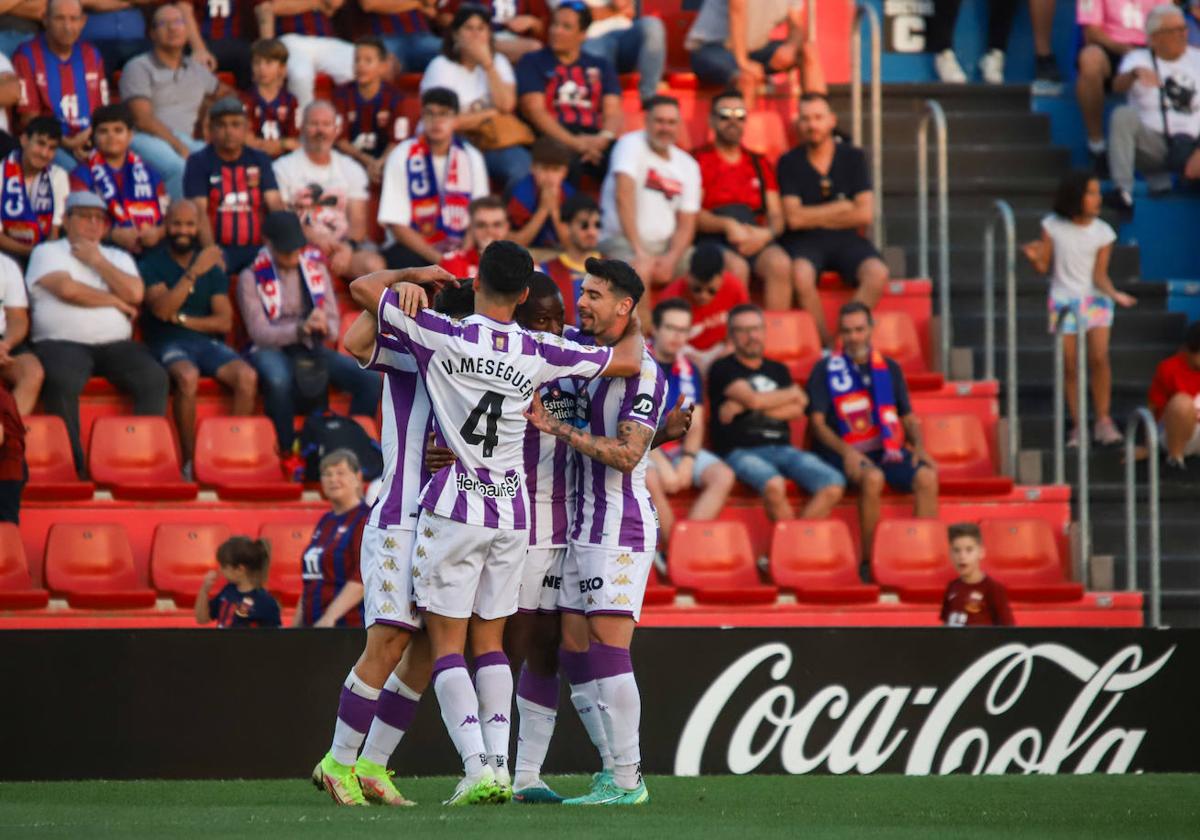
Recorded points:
(282, 230)
(226, 105)
(83, 198)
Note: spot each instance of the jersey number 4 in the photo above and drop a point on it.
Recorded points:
(491, 404)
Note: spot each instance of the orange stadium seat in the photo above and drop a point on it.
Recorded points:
(959, 445)
(181, 555)
(896, 337)
(137, 459)
(17, 591)
(791, 335)
(912, 557)
(288, 540)
(766, 134)
(52, 476)
(715, 561)
(1023, 555)
(816, 559)
(91, 565)
(238, 456)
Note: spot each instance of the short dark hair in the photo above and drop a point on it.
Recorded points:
(1191, 338)
(541, 286)
(620, 275)
(965, 529)
(728, 93)
(504, 268)
(549, 152)
(659, 99)
(744, 308)
(708, 261)
(255, 555)
(116, 112)
(43, 126)
(576, 204)
(270, 49)
(815, 97)
(465, 12)
(440, 96)
(375, 43)
(1068, 197)
(456, 300)
(855, 306)
(484, 202)
(581, 9)
(669, 305)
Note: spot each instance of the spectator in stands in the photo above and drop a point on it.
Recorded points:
(862, 424)
(307, 30)
(404, 26)
(650, 199)
(1175, 400)
(242, 602)
(753, 400)
(1111, 30)
(1158, 131)
(827, 202)
(187, 316)
(730, 43)
(1074, 249)
(629, 42)
(370, 110)
(118, 30)
(711, 294)
(83, 297)
(939, 40)
(682, 465)
(570, 95)
(535, 202)
(291, 315)
(13, 470)
(489, 223)
(233, 185)
(133, 190)
(19, 23)
(63, 77)
(34, 191)
(20, 370)
(740, 207)
(10, 97)
(220, 34)
(428, 184)
(486, 88)
(270, 107)
(518, 24)
(581, 223)
(167, 92)
(973, 599)
(328, 190)
(333, 585)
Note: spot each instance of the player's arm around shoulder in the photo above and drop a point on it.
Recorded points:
(368, 291)
(622, 452)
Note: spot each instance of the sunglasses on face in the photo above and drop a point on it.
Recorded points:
(738, 114)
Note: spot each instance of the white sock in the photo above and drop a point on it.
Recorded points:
(393, 716)
(460, 711)
(494, 687)
(620, 709)
(1097, 146)
(585, 697)
(356, 709)
(536, 725)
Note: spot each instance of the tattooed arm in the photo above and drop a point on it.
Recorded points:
(622, 452)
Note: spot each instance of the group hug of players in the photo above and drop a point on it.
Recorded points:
(515, 458)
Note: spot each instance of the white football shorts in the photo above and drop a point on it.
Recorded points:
(386, 566)
(460, 569)
(604, 581)
(541, 580)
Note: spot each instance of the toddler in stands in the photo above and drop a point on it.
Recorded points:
(242, 602)
(973, 599)
(1074, 249)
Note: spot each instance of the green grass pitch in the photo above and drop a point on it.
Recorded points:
(1102, 807)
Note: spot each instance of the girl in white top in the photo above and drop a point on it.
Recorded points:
(1075, 249)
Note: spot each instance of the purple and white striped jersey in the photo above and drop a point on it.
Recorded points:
(613, 509)
(481, 375)
(407, 421)
(549, 469)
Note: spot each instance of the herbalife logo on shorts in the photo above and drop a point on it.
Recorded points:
(506, 489)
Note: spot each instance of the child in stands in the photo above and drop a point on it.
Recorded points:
(974, 599)
(370, 109)
(1074, 249)
(272, 109)
(242, 602)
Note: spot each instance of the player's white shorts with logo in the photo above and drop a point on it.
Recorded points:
(541, 580)
(386, 566)
(604, 581)
(460, 569)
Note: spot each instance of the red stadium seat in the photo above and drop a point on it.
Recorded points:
(959, 445)
(137, 459)
(181, 555)
(92, 566)
(791, 335)
(716, 562)
(52, 476)
(288, 540)
(1023, 555)
(766, 134)
(817, 559)
(895, 336)
(912, 557)
(17, 591)
(238, 456)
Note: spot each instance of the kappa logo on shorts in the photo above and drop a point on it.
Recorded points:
(420, 551)
(386, 586)
(389, 543)
(389, 564)
(621, 600)
(591, 602)
(386, 607)
(624, 560)
(416, 573)
(428, 533)
(621, 580)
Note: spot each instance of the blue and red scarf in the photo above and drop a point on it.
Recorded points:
(312, 271)
(132, 199)
(27, 220)
(439, 213)
(865, 415)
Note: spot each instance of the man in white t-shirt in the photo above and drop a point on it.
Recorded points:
(84, 296)
(19, 368)
(429, 182)
(650, 200)
(328, 191)
(1162, 84)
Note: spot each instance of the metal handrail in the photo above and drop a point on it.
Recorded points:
(1075, 309)
(863, 11)
(1143, 417)
(934, 110)
(1004, 214)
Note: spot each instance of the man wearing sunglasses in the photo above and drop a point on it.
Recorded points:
(711, 293)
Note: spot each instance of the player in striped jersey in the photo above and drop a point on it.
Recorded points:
(472, 534)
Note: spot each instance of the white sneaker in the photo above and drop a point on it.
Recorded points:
(948, 69)
(991, 67)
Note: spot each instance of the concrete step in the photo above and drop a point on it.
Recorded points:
(974, 160)
(966, 263)
(1133, 326)
(962, 127)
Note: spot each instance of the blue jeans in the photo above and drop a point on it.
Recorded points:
(10, 39)
(641, 47)
(275, 378)
(507, 166)
(715, 65)
(208, 354)
(164, 160)
(414, 51)
(756, 465)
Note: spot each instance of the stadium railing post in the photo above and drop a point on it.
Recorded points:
(1075, 310)
(934, 111)
(1143, 417)
(864, 12)
(1004, 214)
